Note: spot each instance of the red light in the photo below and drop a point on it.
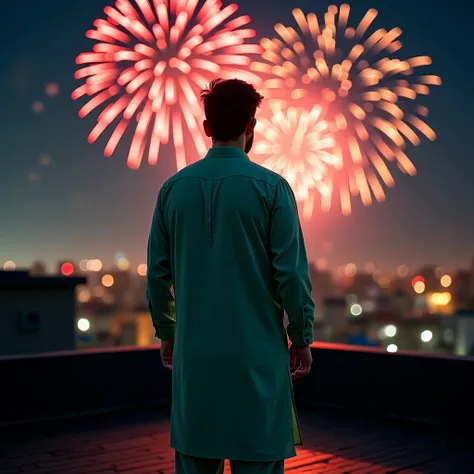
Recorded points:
(416, 280)
(67, 268)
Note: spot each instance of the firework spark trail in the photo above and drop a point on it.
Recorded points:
(297, 144)
(367, 93)
(150, 61)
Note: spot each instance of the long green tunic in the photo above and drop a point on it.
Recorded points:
(226, 234)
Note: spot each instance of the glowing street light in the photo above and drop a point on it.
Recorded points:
(356, 309)
(9, 266)
(83, 324)
(446, 281)
(107, 280)
(390, 330)
(426, 335)
(441, 299)
(419, 287)
(67, 268)
(141, 270)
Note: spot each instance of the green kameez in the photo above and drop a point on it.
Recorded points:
(226, 234)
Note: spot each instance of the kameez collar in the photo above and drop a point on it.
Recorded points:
(226, 152)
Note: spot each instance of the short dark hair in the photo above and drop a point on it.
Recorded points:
(229, 106)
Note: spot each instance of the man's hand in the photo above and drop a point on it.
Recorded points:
(167, 353)
(305, 359)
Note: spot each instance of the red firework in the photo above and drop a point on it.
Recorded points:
(149, 64)
(369, 95)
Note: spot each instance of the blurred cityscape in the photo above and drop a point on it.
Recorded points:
(428, 309)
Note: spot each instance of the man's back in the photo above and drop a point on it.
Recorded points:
(218, 213)
(236, 255)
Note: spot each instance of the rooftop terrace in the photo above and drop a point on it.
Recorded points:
(107, 412)
(138, 443)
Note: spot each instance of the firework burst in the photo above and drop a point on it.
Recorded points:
(367, 93)
(297, 144)
(150, 61)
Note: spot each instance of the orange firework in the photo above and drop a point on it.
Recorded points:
(151, 60)
(368, 94)
(297, 144)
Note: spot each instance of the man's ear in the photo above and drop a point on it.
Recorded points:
(250, 127)
(207, 129)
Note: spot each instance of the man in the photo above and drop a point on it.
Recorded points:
(226, 235)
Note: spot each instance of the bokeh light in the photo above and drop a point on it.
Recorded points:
(123, 264)
(67, 268)
(441, 299)
(38, 107)
(83, 324)
(390, 330)
(94, 265)
(356, 309)
(52, 89)
(403, 271)
(350, 270)
(446, 281)
(417, 279)
(384, 282)
(84, 295)
(426, 336)
(9, 266)
(108, 280)
(392, 348)
(419, 287)
(142, 268)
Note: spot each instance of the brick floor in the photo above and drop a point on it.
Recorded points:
(138, 443)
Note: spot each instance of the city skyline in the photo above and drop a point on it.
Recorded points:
(63, 200)
(121, 263)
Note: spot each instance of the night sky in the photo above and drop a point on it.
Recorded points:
(83, 205)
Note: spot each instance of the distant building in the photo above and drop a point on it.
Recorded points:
(359, 333)
(362, 285)
(471, 286)
(464, 333)
(322, 288)
(120, 288)
(335, 319)
(37, 314)
(463, 295)
(38, 269)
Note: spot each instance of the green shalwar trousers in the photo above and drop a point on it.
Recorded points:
(191, 465)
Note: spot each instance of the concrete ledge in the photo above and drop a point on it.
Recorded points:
(415, 386)
(58, 384)
(423, 387)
